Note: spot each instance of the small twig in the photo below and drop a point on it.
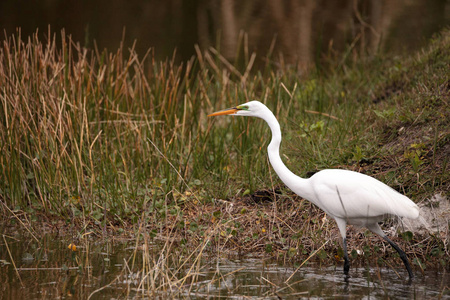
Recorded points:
(226, 62)
(287, 280)
(360, 19)
(381, 281)
(287, 91)
(20, 221)
(102, 288)
(249, 67)
(269, 282)
(289, 286)
(418, 263)
(50, 269)
(12, 261)
(323, 114)
(173, 167)
(392, 268)
(285, 223)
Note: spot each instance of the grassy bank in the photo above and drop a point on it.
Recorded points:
(108, 140)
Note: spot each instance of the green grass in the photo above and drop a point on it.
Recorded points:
(113, 138)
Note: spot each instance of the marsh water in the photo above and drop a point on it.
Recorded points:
(301, 32)
(47, 268)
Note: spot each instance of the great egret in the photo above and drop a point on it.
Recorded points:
(349, 197)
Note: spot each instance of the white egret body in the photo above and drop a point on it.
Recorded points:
(349, 197)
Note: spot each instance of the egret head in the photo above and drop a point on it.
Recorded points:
(250, 109)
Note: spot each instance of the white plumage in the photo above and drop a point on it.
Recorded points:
(362, 196)
(349, 197)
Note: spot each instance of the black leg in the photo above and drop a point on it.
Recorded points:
(402, 256)
(346, 261)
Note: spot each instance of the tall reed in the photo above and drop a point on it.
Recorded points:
(85, 131)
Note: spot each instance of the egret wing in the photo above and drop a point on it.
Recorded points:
(347, 194)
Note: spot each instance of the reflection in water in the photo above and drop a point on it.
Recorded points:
(105, 270)
(270, 280)
(292, 31)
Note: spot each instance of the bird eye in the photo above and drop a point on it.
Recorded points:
(243, 107)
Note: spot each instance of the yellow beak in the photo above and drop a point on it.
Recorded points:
(229, 111)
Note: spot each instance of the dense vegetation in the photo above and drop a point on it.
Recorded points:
(106, 140)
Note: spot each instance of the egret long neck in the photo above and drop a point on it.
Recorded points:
(295, 183)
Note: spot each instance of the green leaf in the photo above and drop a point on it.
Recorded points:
(407, 236)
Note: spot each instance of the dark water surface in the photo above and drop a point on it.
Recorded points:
(104, 270)
(300, 31)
